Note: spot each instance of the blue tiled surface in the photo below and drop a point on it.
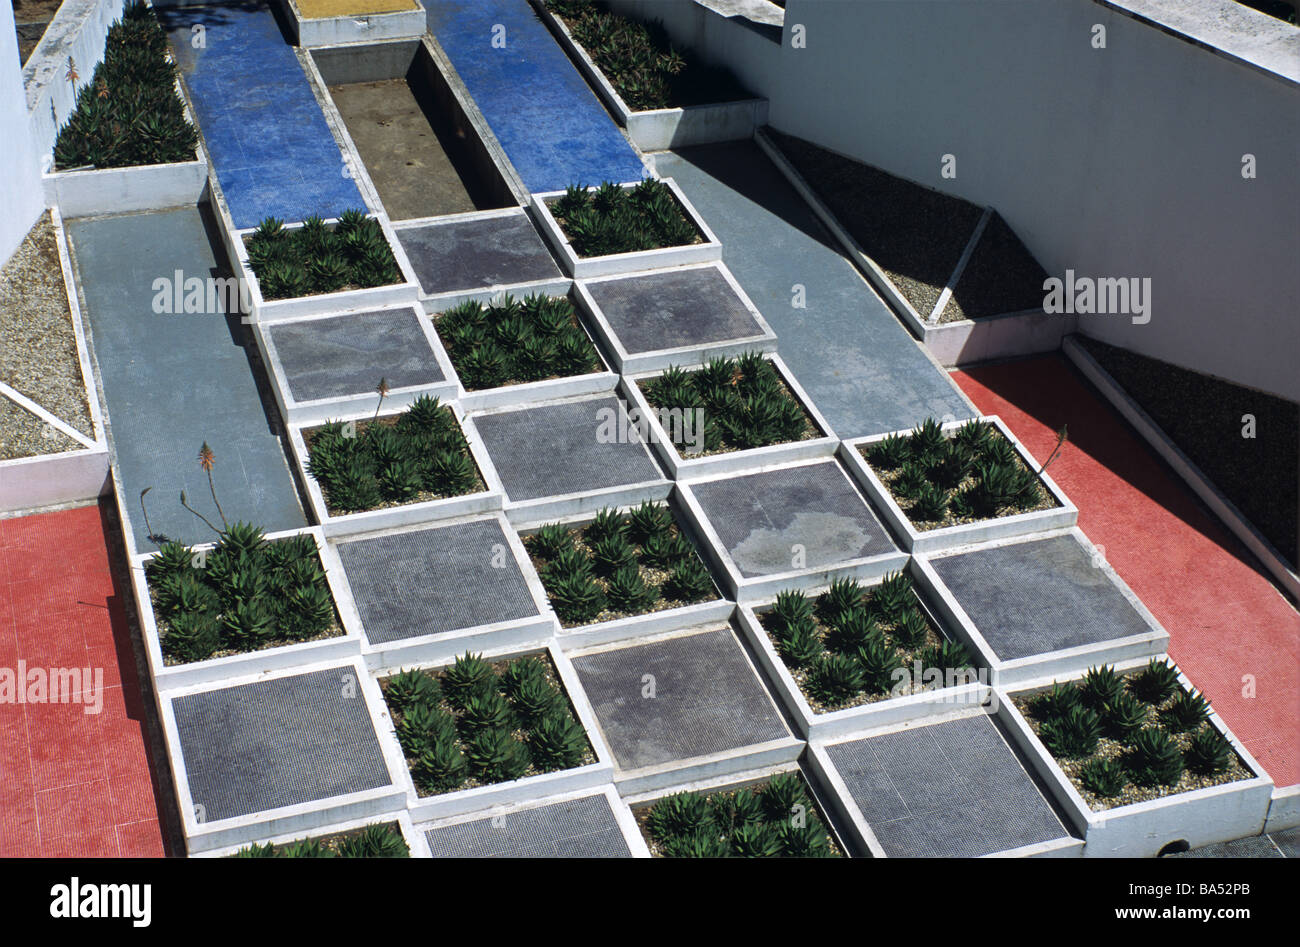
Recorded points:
(172, 382)
(270, 144)
(553, 128)
(862, 369)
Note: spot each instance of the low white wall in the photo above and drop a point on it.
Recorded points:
(20, 195)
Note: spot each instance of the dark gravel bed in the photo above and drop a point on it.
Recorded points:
(914, 233)
(38, 347)
(1001, 276)
(1202, 415)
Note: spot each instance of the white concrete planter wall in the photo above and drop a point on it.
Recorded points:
(67, 476)
(532, 631)
(511, 792)
(371, 805)
(812, 725)
(952, 343)
(1201, 485)
(615, 263)
(1065, 662)
(684, 356)
(659, 129)
(1063, 515)
(1284, 809)
(414, 840)
(353, 300)
(622, 816)
(342, 647)
(1140, 830)
(322, 409)
(738, 461)
(743, 589)
(650, 779)
(323, 31)
(407, 514)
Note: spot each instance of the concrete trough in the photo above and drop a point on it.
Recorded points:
(414, 839)
(406, 19)
(793, 526)
(682, 706)
(709, 250)
(681, 315)
(1064, 514)
(327, 366)
(661, 129)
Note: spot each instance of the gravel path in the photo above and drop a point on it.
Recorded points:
(38, 348)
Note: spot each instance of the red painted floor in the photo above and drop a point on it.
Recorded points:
(1228, 624)
(74, 783)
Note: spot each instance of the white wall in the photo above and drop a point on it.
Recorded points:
(1123, 161)
(20, 191)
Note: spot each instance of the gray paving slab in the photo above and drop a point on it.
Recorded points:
(864, 370)
(277, 743)
(349, 354)
(706, 699)
(428, 581)
(562, 448)
(478, 253)
(579, 828)
(1255, 846)
(1287, 841)
(760, 518)
(174, 380)
(950, 790)
(1039, 596)
(673, 309)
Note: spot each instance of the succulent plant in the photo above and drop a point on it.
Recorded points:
(1154, 759)
(835, 678)
(496, 756)
(467, 676)
(690, 581)
(681, 814)
(1123, 715)
(1208, 752)
(889, 453)
(1155, 683)
(1188, 710)
(411, 688)
(577, 599)
(1101, 686)
(1103, 777)
(799, 643)
(1073, 734)
(557, 741)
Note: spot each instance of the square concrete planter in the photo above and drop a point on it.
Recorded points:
(407, 514)
(744, 588)
(99, 191)
(510, 792)
(688, 467)
(525, 511)
(759, 337)
(660, 129)
(570, 825)
(216, 670)
(353, 28)
(1141, 830)
(203, 832)
(548, 389)
(276, 310)
(316, 410)
(1148, 643)
(709, 251)
(649, 623)
(671, 760)
(1064, 514)
(414, 839)
(890, 711)
(861, 837)
(529, 630)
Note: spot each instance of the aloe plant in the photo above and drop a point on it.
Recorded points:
(1208, 752)
(1154, 759)
(1103, 777)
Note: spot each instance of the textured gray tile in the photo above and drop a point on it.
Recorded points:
(439, 579)
(673, 309)
(349, 354)
(581, 828)
(1288, 840)
(476, 254)
(562, 448)
(761, 517)
(964, 791)
(1035, 597)
(1255, 846)
(278, 743)
(706, 699)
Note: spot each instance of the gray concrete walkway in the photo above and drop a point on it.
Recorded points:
(174, 380)
(865, 372)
